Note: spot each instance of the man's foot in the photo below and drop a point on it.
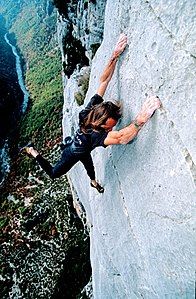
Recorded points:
(99, 188)
(25, 149)
(28, 149)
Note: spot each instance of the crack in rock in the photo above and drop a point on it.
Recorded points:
(184, 151)
(190, 163)
(115, 271)
(126, 211)
(179, 221)
(164, 26)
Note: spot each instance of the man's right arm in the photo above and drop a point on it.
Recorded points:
(124, 135)
(128, 133)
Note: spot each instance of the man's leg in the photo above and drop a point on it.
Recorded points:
(45, 165)
(61, 167)
(89, 166)
(55, 171)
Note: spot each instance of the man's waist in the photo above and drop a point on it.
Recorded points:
(79, 148)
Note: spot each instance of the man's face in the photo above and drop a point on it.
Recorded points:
(109, 124)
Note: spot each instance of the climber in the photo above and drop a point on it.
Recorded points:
(96, 122)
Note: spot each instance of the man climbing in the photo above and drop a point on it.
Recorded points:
(96, 123)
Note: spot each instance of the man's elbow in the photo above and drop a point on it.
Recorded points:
(125, 139)
(120, 140)
(104, 81)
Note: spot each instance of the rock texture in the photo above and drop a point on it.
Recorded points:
(142, 242)
(80, 32)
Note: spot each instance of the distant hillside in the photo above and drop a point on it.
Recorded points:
(35, 30)
(10, 93)
(45, 248)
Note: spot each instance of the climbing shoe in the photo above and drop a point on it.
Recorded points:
(24, 149)
(99, 188)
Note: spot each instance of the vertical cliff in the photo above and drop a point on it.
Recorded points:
(142, 226)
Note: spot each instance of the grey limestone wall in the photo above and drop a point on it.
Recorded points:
(142, 227)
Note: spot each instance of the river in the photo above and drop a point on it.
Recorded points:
(19, 74)
(4, 151)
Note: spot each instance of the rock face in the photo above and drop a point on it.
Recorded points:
(86, 21)
(80, 33)
(142, 226)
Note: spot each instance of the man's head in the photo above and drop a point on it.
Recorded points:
(104, 115)
(109, 124)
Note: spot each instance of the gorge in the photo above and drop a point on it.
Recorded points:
(10, 99)
(19, 75)
(142, 228)
(44, 246)
(21, 107)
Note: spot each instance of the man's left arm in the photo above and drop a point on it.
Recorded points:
(110, 67)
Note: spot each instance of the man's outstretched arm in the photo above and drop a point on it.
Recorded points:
(128, 133)
(109, 69)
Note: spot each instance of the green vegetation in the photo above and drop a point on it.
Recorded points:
(79, 98)
(9, 9)
(83, 83)
(49, 233)
(35, 34)
(43, 121)
(94, 48)
(35, 209)
(3, 222)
